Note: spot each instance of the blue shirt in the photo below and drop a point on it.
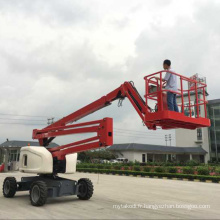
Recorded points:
(171, 80)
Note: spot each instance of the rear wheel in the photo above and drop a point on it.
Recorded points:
(85, 189)
(9, 187)
(38, 193)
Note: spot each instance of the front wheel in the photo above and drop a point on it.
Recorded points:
(9, 187)
(85, 189)
(38, 193)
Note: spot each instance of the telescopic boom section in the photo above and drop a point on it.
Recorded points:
(103, 128)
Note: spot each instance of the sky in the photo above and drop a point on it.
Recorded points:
(58, 56)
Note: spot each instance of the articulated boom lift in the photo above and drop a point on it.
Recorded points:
(48, 162)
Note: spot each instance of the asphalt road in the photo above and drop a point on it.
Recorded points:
(121, 197)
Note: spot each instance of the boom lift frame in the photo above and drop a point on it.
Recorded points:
(48, 184)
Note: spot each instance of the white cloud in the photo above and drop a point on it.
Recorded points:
(58, 56)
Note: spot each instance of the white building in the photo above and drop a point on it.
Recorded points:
(206, 138)
(157, 153)
(193, 138)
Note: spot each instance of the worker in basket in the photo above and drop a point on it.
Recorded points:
(171, 85)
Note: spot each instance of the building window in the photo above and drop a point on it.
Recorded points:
(199, 134)
(143, 158)
(18, 157)
(13, 155)
(214, 130)
(1, 156)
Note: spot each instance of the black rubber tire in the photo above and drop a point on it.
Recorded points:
(85, 189)
(38, 193)
(9, 187)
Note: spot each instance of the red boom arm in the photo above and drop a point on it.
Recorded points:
(103, 128)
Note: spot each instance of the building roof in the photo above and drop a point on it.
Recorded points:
(214, 101)
(156, 148)
(24, 143)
